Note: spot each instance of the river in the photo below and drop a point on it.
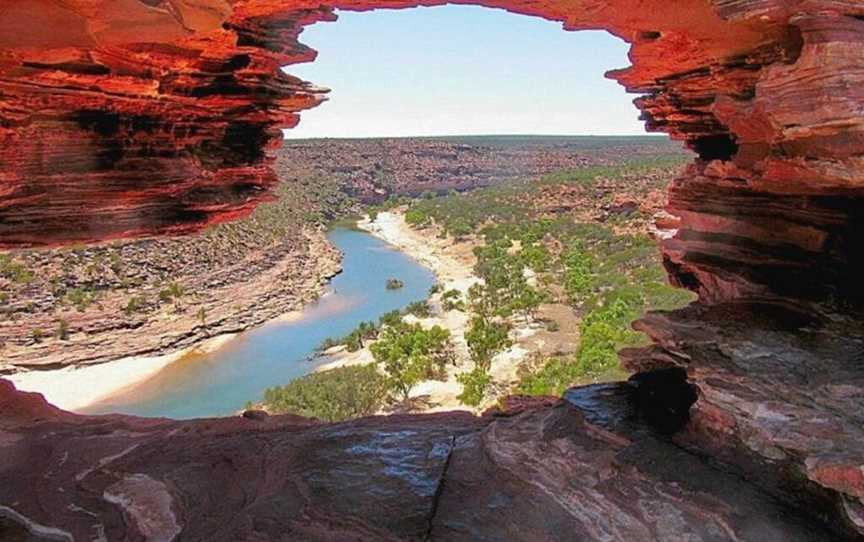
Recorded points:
(220, 383)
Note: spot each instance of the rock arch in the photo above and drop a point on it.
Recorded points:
(141, 117)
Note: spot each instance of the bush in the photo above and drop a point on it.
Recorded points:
(334, 395)
(62, 330)
(417, 217)
(420, 309)
(554, 378)
(80, 298)
(578, 274)
(173, 291)
(137, 303)
(474, 386)
(392, 318)
(15, 271)
(356, 340)
(452, 300)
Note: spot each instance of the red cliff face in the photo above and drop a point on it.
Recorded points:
(140, 117)
(155, 117)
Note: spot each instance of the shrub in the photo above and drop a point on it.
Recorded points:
(536, 257)
(420, 309)
(392, 318)
(173, 291)
(137, 303)
(474, 386)
(578, 274)
(417, 217)
(355, 340)
(452, 293)
(553, 378)
(62, 330)
(37, 334)
(335, 395)
(15, 271)
(452, 300)
(80, 298)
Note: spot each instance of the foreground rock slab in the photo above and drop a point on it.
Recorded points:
(542, 469)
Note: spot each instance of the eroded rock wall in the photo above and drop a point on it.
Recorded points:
(147, 117)
(155, 117)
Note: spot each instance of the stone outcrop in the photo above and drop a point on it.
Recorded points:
(544, 470)
(146, 117)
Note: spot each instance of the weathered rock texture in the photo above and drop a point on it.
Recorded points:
(154, 116)
(543, 470)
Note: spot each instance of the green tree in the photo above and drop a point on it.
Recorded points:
(486, 338)
(474, 386)
(410, 354)
(417, 217)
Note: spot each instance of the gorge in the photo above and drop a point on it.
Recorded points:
(743, 420)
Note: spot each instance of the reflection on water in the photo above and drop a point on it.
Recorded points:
(219, 383)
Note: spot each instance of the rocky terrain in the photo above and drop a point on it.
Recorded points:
(156, 117)
(586, 468)
(87, 305)
(371, 170)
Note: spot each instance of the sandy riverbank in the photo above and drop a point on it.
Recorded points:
(75, 387)
(453, 264)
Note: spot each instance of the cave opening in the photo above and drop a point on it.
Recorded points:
(462, 70)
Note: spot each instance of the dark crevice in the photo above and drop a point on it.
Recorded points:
(103, 123)
(663, 399)
(71, 67)
(244, 143)
(715, 147)
(439, 490)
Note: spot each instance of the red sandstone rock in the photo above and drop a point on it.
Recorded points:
(551, 472)
(155, 117)
(131, 118)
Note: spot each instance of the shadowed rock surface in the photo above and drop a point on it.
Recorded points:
(545, 470)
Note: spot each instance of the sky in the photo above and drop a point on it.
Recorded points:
(462, 70)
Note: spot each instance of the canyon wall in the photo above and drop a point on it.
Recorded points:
(141, 117)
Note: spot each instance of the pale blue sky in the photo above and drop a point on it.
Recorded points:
(462, 70)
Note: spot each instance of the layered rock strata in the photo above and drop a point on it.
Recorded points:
(155, 116)
(539, 470)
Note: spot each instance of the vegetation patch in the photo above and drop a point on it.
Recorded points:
(335, 395)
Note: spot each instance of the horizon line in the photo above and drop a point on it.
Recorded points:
(432, 136)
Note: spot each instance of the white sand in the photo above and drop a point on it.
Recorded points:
(74, 388)
(452, 264)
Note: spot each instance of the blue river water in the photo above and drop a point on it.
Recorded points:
(221, 382)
